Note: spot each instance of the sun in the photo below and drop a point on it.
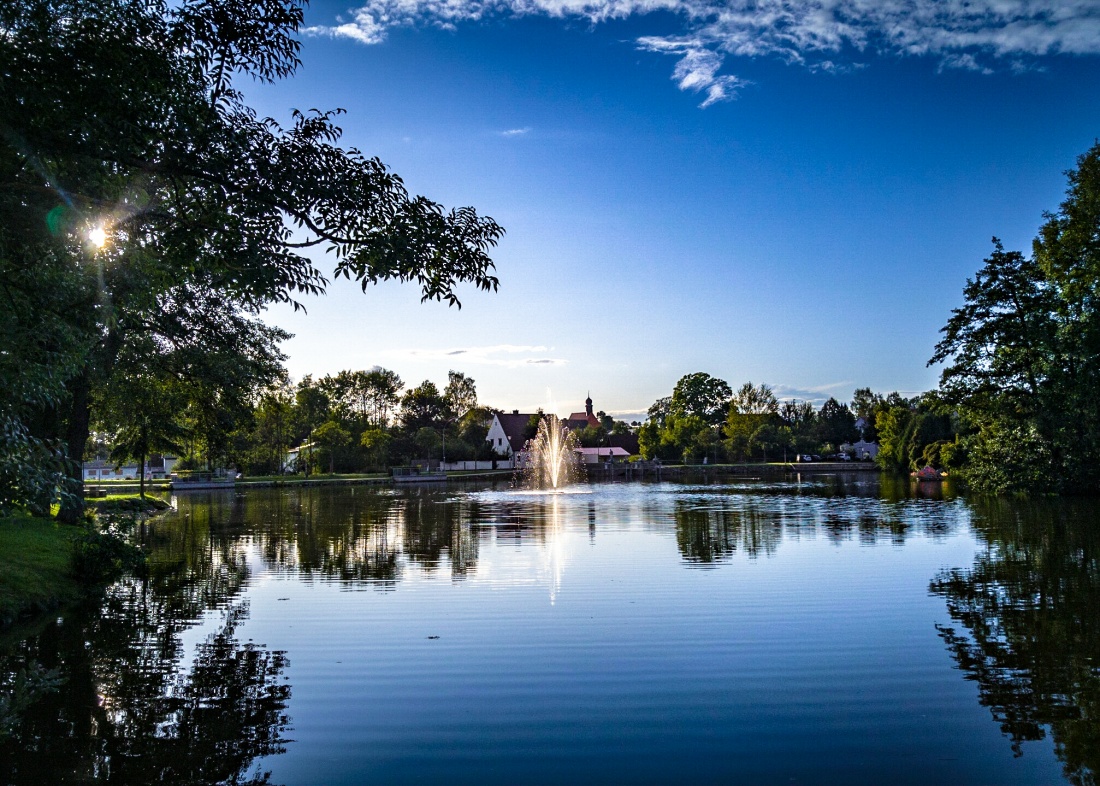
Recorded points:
(98, 237)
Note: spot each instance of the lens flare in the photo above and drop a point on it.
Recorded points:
(98, 237)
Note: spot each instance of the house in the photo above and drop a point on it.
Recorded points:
(628, 442)
(508, 435)
(598, 455)
(157, 467)
(291, 461)
(860, 450)
(508, 432)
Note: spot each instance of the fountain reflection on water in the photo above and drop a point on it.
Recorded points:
(552, 460)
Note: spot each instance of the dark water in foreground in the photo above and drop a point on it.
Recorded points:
(831, 631)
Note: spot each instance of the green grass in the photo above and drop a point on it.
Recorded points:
(314, 476)
(128, 503)
(35, 566)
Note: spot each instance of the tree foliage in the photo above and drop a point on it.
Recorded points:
(1022, 355)
(703, 396)
(125, 118)
(460, 394)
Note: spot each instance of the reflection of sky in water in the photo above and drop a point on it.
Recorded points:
(666, 632)
(755, 631)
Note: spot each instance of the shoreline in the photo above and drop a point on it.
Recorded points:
(38, 557)
(802, 468)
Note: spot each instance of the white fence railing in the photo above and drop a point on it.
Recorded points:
(471, 466)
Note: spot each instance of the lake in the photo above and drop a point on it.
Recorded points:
(831, 629)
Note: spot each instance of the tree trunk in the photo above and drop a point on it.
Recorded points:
(76, 437)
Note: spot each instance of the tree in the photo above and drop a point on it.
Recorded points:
(41, 348)
(383, 393)
(798, 426)
(331, 440)
(659, 410)
(195, 200)
(754, 400)
(460, 394)
(701, 395)
(836, 424)
(686, 438)
(592, 437)
(1022, 355)
(428, 442)
(311, 406)
(423, 407)
(752, 420)
(865, 404)
(377, 444)
(143, 413)
(915, 434)
(272, 431)
(649, 440)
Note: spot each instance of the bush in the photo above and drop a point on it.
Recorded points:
(102, 554)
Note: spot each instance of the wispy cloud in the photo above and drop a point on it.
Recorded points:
(827, 35)
(516, 131)
(506, 355)
(697, 68)
(817, 394)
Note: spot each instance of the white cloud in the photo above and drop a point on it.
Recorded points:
(816, 394)
(505, 355)
(516, 131)
(697, 69)
(976, 35)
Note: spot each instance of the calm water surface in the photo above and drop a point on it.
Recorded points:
(825, 631)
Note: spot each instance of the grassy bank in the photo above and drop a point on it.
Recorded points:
(37, 567)
(35, 562)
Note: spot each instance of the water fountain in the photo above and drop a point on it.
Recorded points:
(552, 461)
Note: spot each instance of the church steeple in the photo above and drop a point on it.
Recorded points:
(588, 405)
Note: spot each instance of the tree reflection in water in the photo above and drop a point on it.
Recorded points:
(713, 525)
(131, 710)
(1029, 608)
(136, 707)
(707, 536)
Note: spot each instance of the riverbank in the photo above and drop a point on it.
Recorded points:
(595, 471)
(35, 566)
(119, 487)
(36, 557)
(765, 468)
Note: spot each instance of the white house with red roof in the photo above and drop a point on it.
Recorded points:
(507, 433)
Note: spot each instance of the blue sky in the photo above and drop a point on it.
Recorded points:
(780, 191)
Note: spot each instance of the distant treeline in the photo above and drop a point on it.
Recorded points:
(705, 418)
